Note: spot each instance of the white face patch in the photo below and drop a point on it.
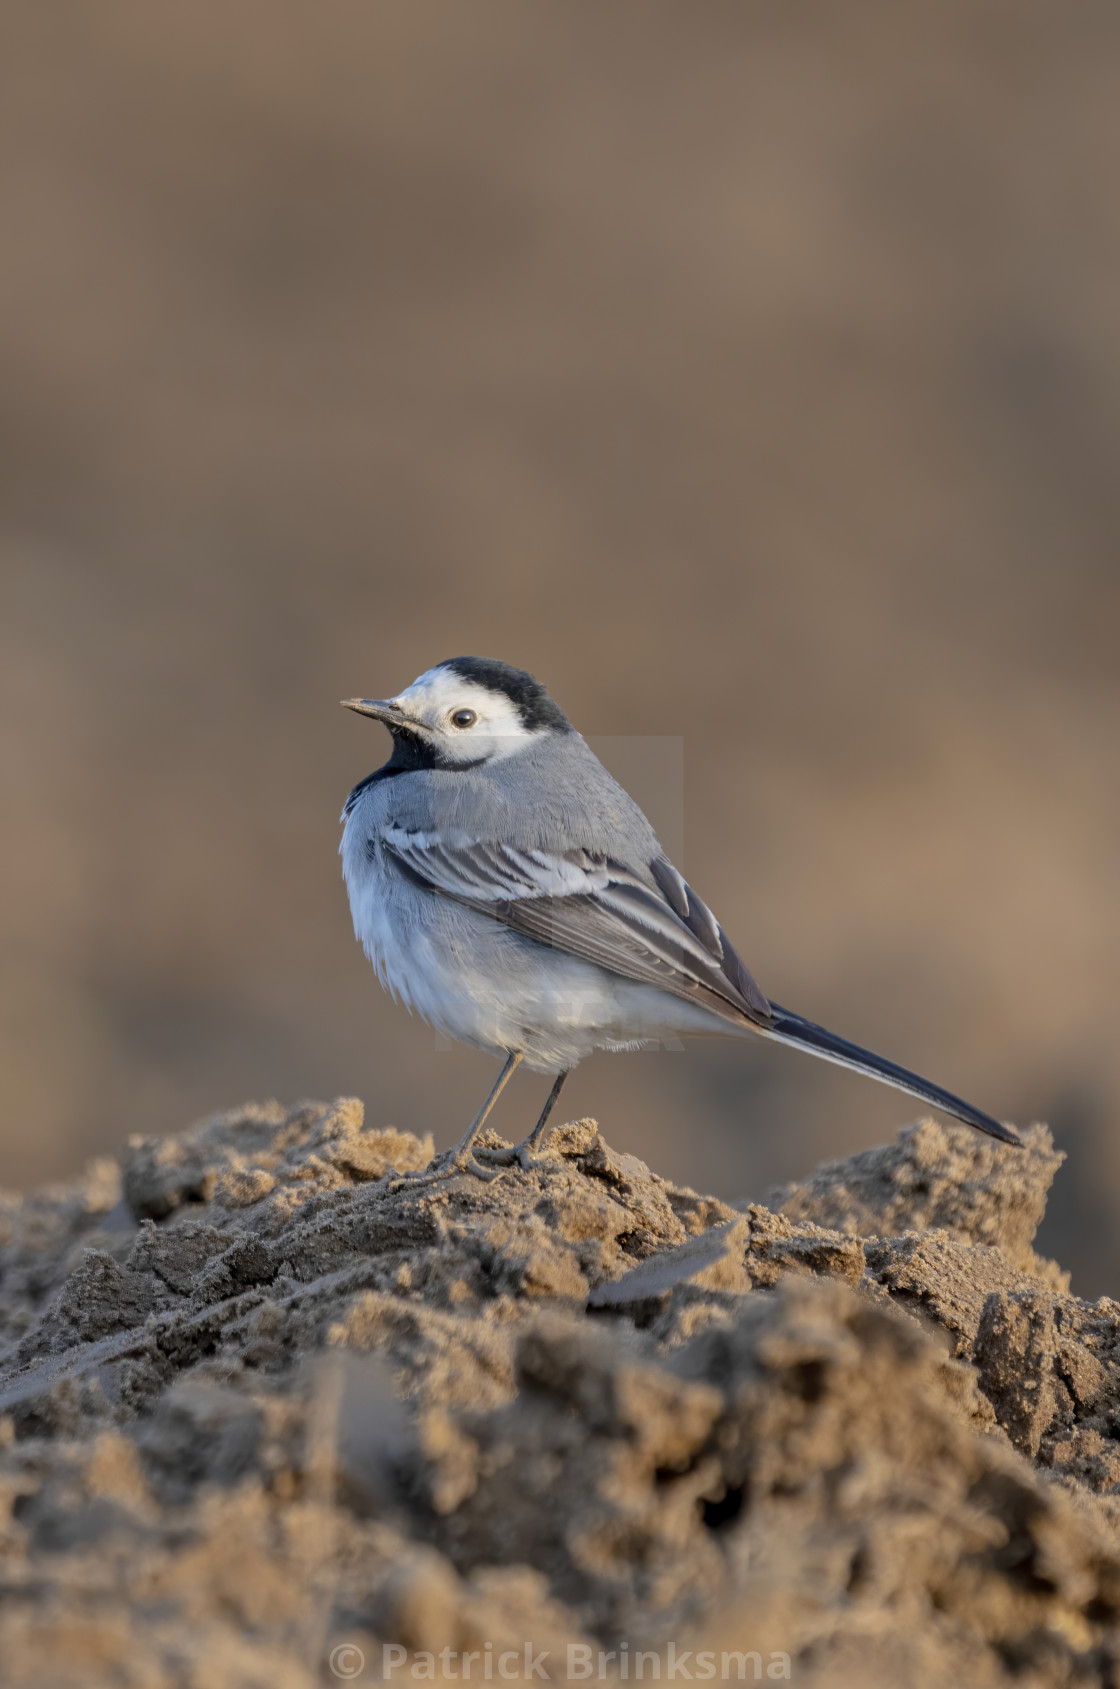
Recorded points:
(442, 701)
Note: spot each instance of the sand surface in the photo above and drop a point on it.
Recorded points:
(258, 1404)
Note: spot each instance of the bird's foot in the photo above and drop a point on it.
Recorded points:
(446, 1166)
(520, 1155)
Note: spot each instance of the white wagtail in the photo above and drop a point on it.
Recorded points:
(509, 890)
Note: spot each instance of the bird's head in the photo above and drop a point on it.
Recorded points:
(465, 712)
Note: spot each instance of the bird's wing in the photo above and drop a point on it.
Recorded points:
(597, 909)
(594, 908)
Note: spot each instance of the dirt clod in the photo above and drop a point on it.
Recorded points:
(255, 1402)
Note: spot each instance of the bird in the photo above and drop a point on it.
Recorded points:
(508, 890)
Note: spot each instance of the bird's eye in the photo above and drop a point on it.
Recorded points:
(463, 718)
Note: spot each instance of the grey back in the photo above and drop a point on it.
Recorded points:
(555, 795)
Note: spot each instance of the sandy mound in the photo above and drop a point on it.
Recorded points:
(258, 1405)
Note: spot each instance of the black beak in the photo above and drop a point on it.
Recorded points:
(381, 709)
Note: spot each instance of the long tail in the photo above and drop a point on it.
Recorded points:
(789, 1028)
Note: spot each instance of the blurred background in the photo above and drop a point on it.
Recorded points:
(749, 373)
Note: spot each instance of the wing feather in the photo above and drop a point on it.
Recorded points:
(593, 908)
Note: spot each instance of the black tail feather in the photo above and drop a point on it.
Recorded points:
(789, 1028)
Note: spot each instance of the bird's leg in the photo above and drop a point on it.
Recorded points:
(522, 1153)
(460, 1159)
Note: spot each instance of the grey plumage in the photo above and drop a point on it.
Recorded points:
(508, 889)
